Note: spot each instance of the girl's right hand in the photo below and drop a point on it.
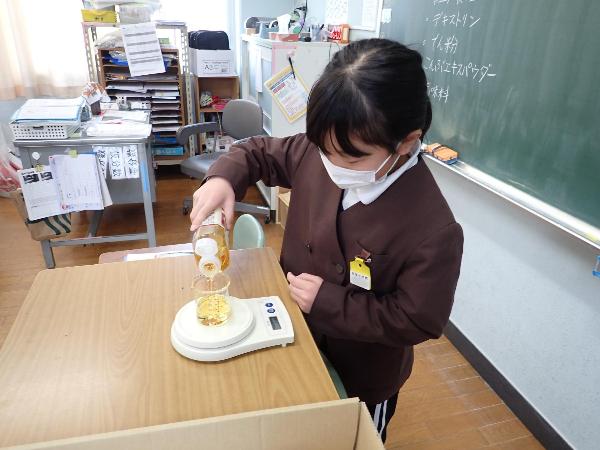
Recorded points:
(216, 193)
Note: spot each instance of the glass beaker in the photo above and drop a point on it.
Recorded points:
(210, 294)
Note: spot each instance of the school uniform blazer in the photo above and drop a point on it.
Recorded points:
(413, 240)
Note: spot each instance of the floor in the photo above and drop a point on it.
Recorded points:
(444, 405)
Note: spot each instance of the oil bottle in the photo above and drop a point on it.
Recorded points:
(211, 283)
(211, 243)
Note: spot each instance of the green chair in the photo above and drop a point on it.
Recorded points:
(337, 381)
(248, 233)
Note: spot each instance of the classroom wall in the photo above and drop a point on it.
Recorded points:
(316, 11)
(254, 8)
(262, 8)
(528, 301)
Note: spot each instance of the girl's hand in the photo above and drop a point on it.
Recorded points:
(216, 193)
(304, 289)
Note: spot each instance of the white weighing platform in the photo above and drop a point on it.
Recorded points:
(254, 324)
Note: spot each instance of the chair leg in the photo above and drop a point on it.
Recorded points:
(239, 207)
(187, 205)
(253, 209)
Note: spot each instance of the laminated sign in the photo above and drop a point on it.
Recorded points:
(289, 93)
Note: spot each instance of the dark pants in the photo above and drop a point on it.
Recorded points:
(382, 413)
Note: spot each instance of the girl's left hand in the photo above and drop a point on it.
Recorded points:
(304, 289)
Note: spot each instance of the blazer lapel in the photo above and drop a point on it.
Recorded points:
(322, 220)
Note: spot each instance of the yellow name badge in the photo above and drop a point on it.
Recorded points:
(360, 274)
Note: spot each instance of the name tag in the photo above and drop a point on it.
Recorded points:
(360, 274)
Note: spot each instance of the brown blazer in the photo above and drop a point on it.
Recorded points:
(415, 246)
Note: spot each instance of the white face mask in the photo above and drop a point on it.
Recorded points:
(352, 179)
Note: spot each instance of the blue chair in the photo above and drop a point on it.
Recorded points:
(248, 233)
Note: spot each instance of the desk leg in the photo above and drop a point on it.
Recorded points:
(95, 223)
(147, 195)
(48, 255)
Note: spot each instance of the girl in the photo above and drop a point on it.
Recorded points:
(371, 249)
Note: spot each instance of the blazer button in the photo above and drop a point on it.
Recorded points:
(339, 268)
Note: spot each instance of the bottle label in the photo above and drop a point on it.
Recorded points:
(206, 247)
(217, 217)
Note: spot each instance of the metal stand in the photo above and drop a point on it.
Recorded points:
(268, 214)
(95, 223)
(121, 190)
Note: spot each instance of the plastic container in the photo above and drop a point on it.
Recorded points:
(135, 13)
(98, 15)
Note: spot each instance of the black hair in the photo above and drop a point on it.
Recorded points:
(374, 90)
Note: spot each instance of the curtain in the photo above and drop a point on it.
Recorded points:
(41, 42)
(41, 48)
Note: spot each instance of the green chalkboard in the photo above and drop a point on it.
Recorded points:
(515, 88)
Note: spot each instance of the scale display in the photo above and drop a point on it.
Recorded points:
(275, 323)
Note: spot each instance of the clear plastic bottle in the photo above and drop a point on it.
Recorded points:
(211, 244)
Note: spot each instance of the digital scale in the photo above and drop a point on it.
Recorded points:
(254, 323)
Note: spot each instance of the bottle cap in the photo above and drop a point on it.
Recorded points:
(209, 265)
(206, 247)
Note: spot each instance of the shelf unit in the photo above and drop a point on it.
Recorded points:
(171, 112)
(227, 87)
(97, 70)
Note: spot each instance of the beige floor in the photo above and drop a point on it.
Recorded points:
(444, 405)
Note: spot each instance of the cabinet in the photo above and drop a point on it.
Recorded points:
(260, 60)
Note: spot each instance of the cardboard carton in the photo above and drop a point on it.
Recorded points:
(212, 63)
(284, 205)
(336, 425)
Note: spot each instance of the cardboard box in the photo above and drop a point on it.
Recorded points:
(212, 63)
(336, 425)
(282, 209)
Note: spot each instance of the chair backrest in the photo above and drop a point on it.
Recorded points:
(248, 233)
(242, 119)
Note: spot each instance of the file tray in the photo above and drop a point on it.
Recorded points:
(43, 131)
(49, 118)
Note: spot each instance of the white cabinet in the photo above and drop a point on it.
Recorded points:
(261, 59)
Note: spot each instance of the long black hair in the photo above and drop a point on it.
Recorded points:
(374, 90)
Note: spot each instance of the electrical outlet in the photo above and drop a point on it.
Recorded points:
(386, 15)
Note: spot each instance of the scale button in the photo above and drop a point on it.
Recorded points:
(271, 310)
(268, 305)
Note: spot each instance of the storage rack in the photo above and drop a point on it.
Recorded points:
(95, 73)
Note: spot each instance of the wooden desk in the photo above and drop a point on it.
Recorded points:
(118, 256)
(90, 352)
